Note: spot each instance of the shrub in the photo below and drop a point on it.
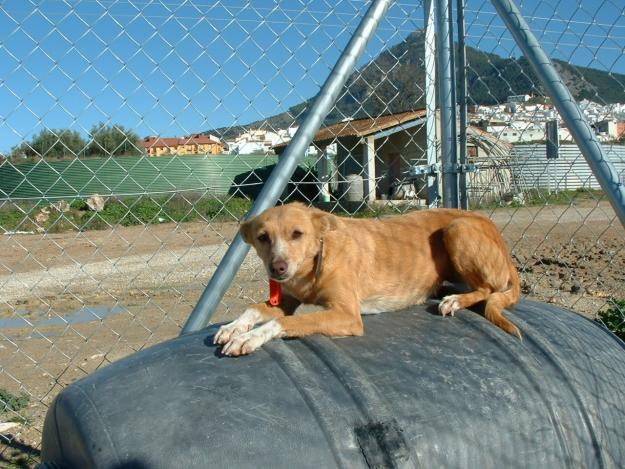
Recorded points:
(11, 220)
(10, 402)
(614, 318)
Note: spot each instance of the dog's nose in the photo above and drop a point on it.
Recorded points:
(278, 267)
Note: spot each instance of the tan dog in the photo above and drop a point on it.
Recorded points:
(353, 266)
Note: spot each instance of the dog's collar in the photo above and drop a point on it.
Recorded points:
(319, 259)
(275, 293)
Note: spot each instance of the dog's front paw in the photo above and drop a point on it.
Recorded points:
(248, 342)
(229, 331)
(243, 344)
(237, 327)
(449, 305)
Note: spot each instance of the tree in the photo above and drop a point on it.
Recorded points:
(112, 140)
(52, 143)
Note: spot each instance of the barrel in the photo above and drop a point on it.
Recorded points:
(417, 390)
(354, 188)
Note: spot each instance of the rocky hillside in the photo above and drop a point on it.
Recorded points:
(394, 82)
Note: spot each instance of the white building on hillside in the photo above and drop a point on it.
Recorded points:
(521, 132)
(518, 99)
(254, 141)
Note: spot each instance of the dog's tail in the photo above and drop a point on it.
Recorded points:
(497, 301)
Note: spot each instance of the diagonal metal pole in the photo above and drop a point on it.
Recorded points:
(569, 110)
(293, 155)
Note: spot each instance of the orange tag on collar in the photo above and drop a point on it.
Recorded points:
(275, 293)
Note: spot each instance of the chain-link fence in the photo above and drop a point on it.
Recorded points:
(136, 134)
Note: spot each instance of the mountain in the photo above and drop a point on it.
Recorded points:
(393, 82)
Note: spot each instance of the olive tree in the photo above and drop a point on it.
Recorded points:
(52, 143)
(112, 140)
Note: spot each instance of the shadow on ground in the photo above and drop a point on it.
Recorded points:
(14, 453)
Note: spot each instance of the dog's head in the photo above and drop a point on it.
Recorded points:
(287, 238)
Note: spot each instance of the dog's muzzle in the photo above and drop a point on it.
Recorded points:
(278, 269)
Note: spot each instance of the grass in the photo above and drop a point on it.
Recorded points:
(122, 211)
(16, 454)
(614, 318)
(378, 211)
(142, 210)
(9, 402)
(11, 407)
(538, 197)
(541, 197)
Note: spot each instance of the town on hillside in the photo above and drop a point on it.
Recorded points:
(250, 142)
(522, 119)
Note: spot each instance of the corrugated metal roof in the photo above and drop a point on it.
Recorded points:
(172, 142)
(157, 142)
(363, 127)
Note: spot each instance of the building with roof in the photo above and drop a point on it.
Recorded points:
(196, 144)
(377, 148)
(383, 150)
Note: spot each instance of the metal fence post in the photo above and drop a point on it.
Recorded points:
(430, 102)
(447, 106)
(566, 105)
(462, 104)
(295, 152)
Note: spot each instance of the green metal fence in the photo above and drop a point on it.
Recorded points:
(123, 176)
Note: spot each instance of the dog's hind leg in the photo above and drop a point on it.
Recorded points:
(480, 256)
(493, 311)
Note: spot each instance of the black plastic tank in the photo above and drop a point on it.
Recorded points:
(418, 390)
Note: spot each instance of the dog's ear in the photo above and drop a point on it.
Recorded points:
(324, 221)
(246, 230)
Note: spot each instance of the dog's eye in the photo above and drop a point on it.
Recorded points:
(296, 234)
(263, 238)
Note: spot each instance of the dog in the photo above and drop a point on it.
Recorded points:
(351, 267)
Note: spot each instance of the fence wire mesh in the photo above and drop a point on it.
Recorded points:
(135, 134)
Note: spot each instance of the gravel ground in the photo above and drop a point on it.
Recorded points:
(73, 302)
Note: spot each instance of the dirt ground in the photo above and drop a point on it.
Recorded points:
(71, 303)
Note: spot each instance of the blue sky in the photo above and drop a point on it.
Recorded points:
(177, 67)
